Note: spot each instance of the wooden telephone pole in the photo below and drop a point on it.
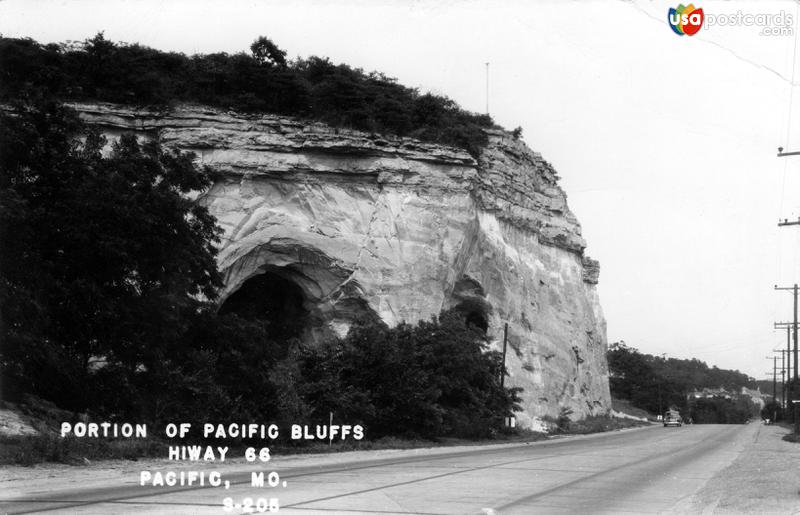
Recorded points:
(793, 383)
(503, 368)
(785, 355)
(793, 289)
(774, 377)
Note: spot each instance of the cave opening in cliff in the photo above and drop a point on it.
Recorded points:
(469, 299)
(274, 299)
(475, 314)
(477, 320)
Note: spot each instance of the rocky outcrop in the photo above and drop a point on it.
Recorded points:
(369, 225)
(591, 270)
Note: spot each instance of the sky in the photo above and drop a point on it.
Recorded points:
(666, 144)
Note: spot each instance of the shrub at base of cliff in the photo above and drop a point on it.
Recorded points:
(435, 379)
(431, 380)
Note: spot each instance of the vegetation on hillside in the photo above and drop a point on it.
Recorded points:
(655, 383)
(263, 81)
(107, 286)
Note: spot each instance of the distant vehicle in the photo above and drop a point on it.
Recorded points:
(673, 418)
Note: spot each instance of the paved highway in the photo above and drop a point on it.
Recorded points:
(650, 470)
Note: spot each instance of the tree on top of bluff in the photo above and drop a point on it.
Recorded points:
(266, 52)
(263, 81)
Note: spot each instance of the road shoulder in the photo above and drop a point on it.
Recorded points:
(762, 479)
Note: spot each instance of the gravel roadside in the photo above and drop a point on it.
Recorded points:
(764, 478)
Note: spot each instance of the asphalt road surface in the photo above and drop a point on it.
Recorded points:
(650, 470)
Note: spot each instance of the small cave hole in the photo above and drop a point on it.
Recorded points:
(478, 320)
(271, 298)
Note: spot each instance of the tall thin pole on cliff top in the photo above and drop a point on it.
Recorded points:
(503, 368)
(487, 88)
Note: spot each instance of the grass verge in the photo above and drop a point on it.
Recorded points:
(593, 424)
(49, 447)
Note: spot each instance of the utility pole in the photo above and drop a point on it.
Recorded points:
(774, 374)
(505, 344)
(782, 372)
(793, 289)
(793, 382)
(788, 326)
(774, 377)
(784, 355)
(660, 405)
(788, 353)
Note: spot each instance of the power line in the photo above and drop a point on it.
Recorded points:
(726, 49)
(789, 113)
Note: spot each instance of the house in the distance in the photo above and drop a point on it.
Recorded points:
(758, 398)
(711, 393)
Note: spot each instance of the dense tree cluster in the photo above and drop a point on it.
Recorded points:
(428, 380)
(722, 411)
(655, 383)
(107, 286)
(263, 81)
(103, 258)
(434, 378)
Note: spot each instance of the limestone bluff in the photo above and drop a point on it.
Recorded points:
(395, 228)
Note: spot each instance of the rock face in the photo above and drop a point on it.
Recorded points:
(394, 228)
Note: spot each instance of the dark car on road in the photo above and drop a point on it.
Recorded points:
(673, 418)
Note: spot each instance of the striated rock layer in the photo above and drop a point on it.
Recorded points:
(370, 225)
